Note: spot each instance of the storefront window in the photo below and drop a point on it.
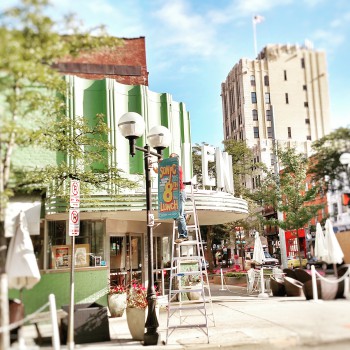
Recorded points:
(88, 245)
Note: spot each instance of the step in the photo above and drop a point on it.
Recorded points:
(187, 290)
(189, 242)
(202, 325)
(186, 307)
(187, 273)
(188, 259)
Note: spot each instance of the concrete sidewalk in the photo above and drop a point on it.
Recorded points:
(245, 322)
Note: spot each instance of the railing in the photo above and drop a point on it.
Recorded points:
(345, 278)
(33, 318)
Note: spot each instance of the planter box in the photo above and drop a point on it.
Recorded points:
(90, 323)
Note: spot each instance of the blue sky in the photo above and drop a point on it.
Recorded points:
(192, 45)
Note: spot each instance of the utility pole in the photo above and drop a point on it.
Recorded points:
(281, 233)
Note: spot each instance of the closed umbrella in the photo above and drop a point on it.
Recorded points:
(320, 243)
(258, 254)
(21, 265)
(335, 254)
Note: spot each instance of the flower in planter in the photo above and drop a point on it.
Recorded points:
(136, 296)
(118, 289)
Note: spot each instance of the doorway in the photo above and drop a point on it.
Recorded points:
(125, 259)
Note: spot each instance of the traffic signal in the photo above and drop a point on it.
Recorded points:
(346, 198)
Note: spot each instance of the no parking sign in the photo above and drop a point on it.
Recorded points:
(74, 193)
(74, 222)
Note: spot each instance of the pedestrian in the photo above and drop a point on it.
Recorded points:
(181, 219)
(217, 258)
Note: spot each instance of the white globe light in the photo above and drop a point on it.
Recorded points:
(159, 137)
(131, 125)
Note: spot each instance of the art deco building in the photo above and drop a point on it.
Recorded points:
(282, 95)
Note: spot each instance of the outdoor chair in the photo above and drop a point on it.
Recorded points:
(302, 275)
(294, 288)
(277, 286)
(289, 273)
(325, 290)
(16, 309)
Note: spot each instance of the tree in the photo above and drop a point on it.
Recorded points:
(33, 110)
(243, 163)
(288, 193)
(326, 167)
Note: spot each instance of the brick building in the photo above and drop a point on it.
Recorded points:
(126, 63)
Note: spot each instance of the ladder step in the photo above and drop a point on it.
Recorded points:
(188, 325)
(186, 290)
(188, 273)
(191, 242)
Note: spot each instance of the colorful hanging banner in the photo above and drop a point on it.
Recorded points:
(168, 188)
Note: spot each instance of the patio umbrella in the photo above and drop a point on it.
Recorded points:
(21, 265)
(335, 254)
(320, 243)
(258, 254)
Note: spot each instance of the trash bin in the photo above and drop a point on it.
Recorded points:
(16, 309)
(90, 323)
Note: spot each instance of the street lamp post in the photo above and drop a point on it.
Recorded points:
(132, 126)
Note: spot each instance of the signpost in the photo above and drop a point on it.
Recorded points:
(74, 225)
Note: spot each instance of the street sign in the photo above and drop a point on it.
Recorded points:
(74, 193)
(74, 222)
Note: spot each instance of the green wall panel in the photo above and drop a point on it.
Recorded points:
(90, 286)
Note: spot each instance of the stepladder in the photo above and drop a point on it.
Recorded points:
(189, 300)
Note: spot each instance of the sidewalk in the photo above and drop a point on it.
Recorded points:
(245, 322)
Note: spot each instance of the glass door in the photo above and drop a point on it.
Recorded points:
(118, 268)
(134, 257)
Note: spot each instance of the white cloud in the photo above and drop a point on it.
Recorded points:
(336, 33)
(248, 7)
(182, 28)
(313, 3)
(123, 19)
(328, 40)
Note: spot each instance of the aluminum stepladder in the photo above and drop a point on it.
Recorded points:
(188, 264)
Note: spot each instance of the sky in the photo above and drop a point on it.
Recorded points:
(191, 45)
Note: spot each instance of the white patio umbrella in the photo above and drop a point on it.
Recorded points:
(320, 243)
(258, 254)
(21, 265)
(335, 254)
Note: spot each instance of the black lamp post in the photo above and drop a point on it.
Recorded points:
(132, 126)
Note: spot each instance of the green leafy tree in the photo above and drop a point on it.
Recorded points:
(289, 193)
(242, 165)
(33, 108)
(326, 167)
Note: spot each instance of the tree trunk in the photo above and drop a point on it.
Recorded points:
(4, 304)
(209, 247)
(299, 252)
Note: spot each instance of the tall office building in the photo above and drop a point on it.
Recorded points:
(281, 95)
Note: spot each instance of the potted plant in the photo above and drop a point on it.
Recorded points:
(116, 300)
(136, 304)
